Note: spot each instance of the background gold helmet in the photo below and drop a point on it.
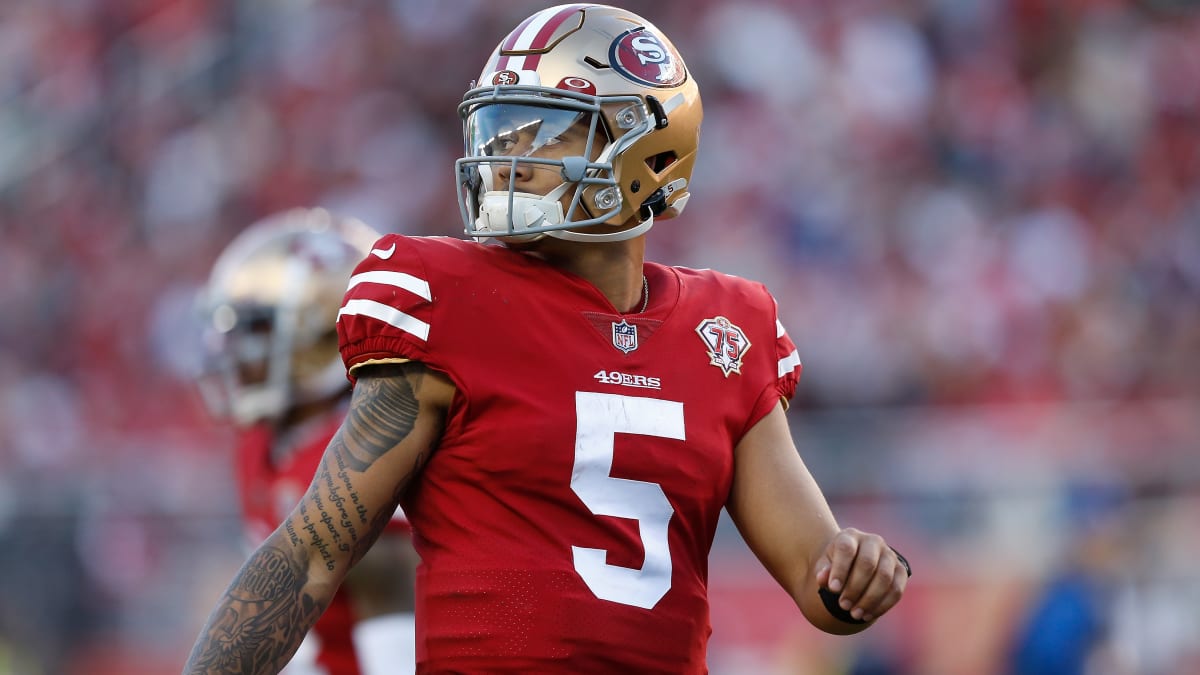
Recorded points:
(580, 62)
(269, 309)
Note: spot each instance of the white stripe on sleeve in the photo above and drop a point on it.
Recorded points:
(789, 362)
(387, 314)
(398, 279)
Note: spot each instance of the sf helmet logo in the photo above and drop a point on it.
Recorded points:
(505, 77)
(643, 57)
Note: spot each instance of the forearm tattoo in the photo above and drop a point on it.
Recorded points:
(260, 620)
(264, 615)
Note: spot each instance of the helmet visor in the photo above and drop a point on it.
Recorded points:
(516, 130)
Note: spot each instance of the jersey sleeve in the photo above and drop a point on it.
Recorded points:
(388, 307)
(783, 364)
(789, 361)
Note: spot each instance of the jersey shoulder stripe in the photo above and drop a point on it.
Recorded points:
(387, 314)
(398, 279)
(791, 361)
(390, 312)
(372, 291)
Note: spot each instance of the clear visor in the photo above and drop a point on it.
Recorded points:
(514, 130)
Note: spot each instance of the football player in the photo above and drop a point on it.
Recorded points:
(275, 373)
(562, 420)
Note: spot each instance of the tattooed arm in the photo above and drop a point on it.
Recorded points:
(395, 419)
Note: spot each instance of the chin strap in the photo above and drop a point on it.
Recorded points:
(636, 231)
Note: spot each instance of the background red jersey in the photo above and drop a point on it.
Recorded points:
(569, 510)
(273, 473)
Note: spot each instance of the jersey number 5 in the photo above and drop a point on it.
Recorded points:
(600, 417)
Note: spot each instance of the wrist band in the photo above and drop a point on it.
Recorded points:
(830, 599)
(903, 560)
(831, 605)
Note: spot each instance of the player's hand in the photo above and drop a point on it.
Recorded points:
(860, 575)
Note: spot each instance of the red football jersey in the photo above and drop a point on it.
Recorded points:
(273, 473)
(565, 520)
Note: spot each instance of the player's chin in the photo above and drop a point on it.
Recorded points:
(524, 242)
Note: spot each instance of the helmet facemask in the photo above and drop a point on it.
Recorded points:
(247, 370)
(514, 128)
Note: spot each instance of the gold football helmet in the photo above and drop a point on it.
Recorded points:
(270, 308)
(596, 68)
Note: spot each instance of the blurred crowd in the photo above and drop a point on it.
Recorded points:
(961, 205)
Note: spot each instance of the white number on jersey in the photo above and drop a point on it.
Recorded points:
(600, 417)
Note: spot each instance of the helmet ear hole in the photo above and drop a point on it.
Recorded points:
(659, 163)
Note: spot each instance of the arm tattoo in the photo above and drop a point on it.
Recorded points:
(261, 619)
(333, 523)
(267, 610)
(384, 414)
(383, 516)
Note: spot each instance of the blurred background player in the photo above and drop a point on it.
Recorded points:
(274, 372)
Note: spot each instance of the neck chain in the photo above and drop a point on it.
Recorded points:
(645, 295)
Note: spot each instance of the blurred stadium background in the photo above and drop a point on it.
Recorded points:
(981, 218)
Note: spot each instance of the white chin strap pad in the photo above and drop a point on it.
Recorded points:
(528, 211)
(536, 211)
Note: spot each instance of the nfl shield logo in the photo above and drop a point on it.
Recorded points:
(625, 336)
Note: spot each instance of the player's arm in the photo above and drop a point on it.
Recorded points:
(784, 518)
(395, 419)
